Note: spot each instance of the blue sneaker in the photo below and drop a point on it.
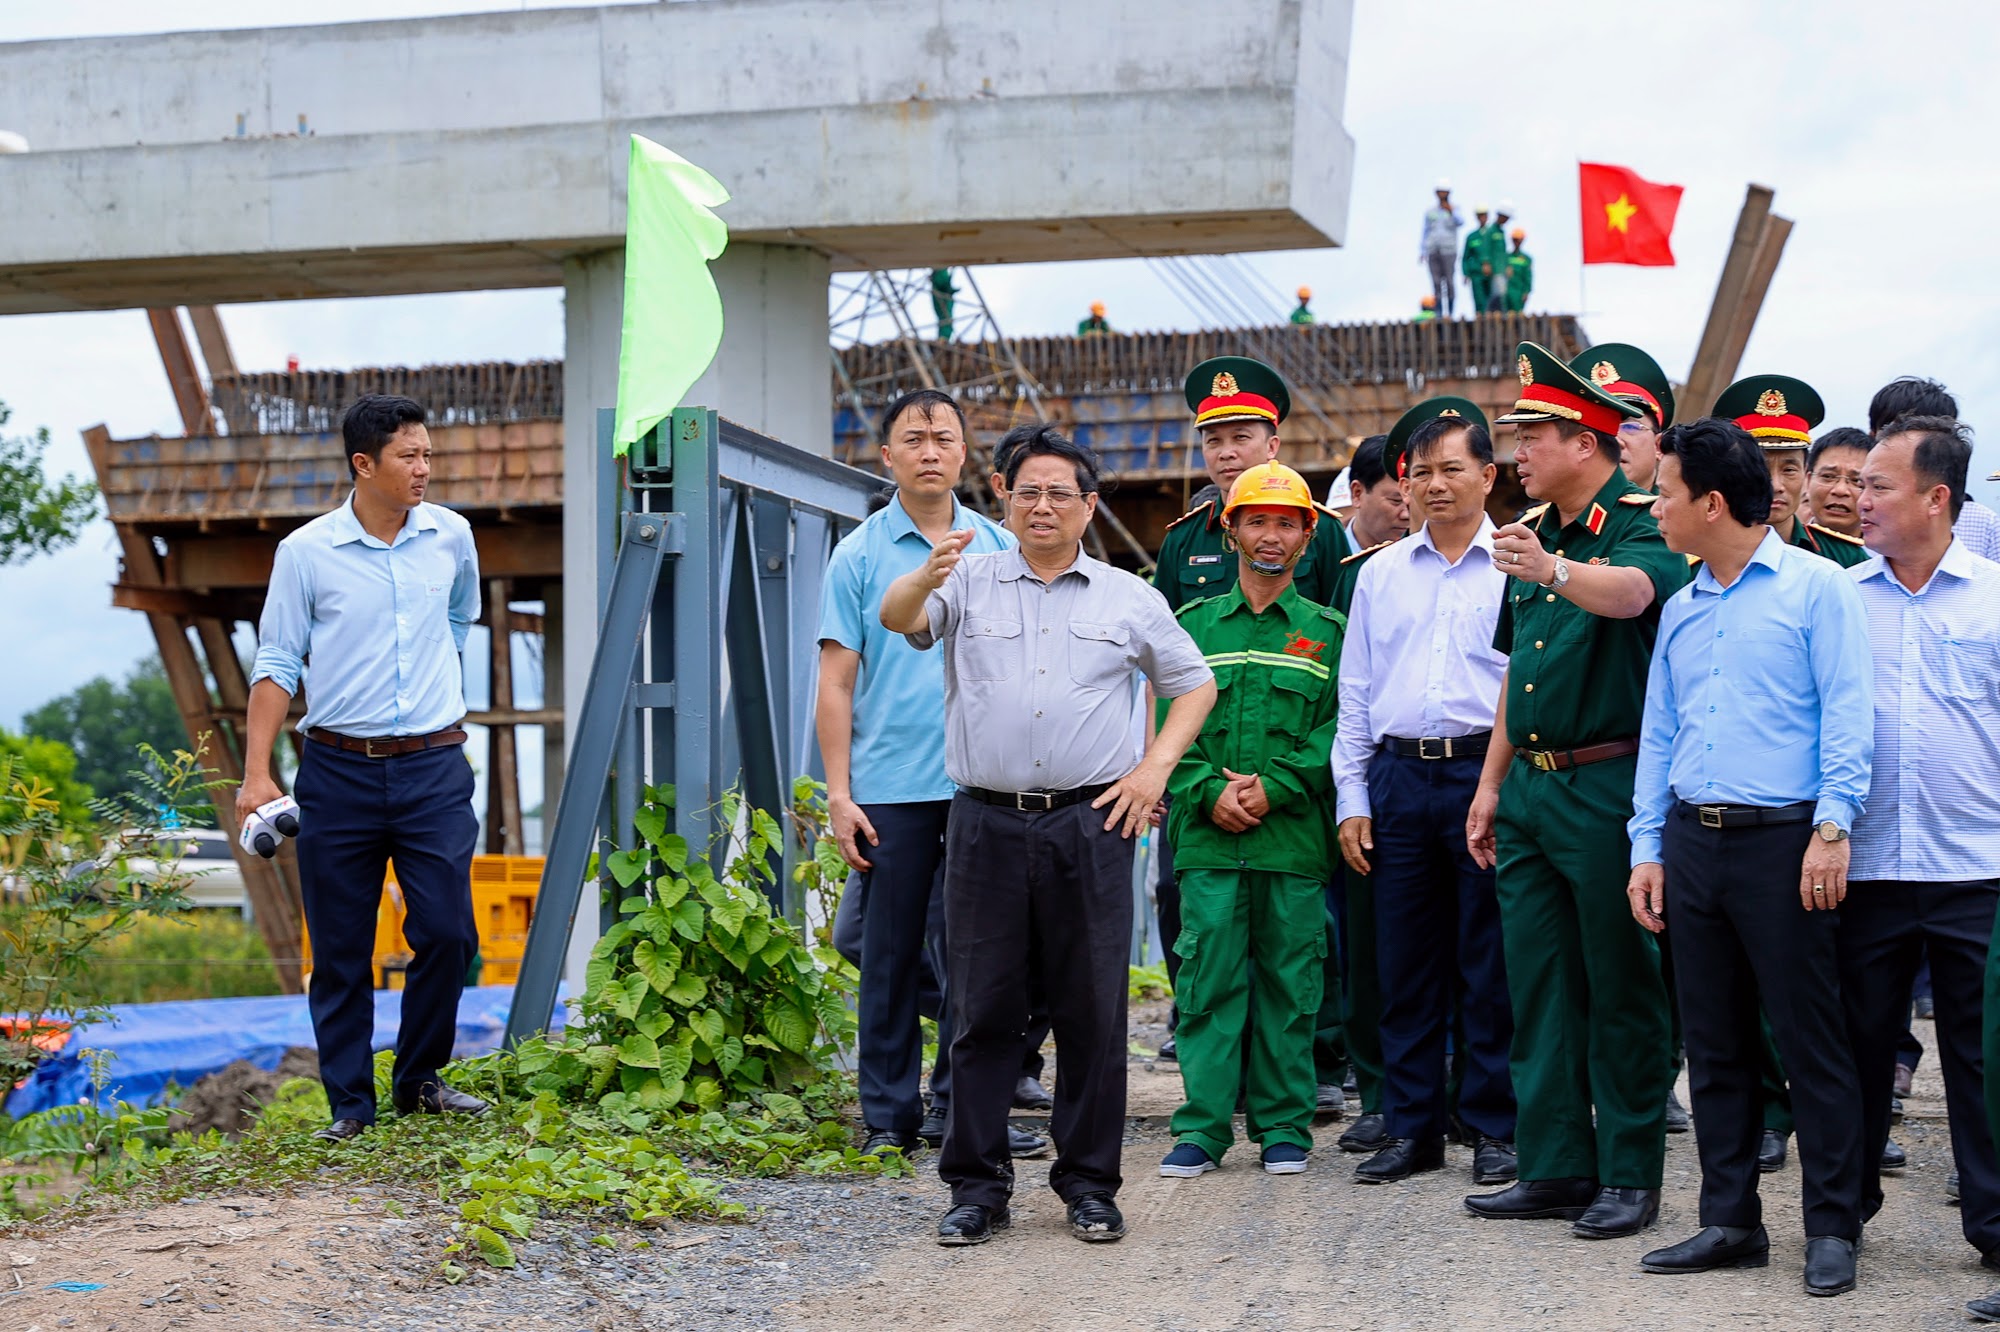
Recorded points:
(1285, 1158)
(1186, 1161)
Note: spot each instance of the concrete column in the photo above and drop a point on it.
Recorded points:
(771, 374)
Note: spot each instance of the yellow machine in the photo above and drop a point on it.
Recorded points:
(503, 902)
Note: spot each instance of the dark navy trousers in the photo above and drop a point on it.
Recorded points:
(908, 876)
(1437, 943)
(357, 814)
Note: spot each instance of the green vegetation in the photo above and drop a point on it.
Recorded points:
(52, 764)
(105, 723)
(37, 515)
(1150, 982)
(186, 955)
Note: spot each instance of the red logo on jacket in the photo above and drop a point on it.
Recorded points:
(1298, 645)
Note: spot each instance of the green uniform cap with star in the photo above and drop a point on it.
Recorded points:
(1551, 391)
(1236, 388)
(1396, 449)
(1624, 371)
(1779, 412)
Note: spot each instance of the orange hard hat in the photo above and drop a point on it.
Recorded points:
(1305, 293)
(1270, 483)
(1430, 302)
(1097, 307)
(1518, 234)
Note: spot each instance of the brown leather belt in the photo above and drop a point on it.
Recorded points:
(1562, 760)
(387, 746)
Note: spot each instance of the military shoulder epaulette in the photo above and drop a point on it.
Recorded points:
(1196, 511)
(1534, 513)
(1364, 554)
(1694, 561)
(1637, 497)
(1328, 510)
(1837, 536)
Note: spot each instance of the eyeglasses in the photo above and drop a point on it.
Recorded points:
(1829, 477)
(1027, 497)
(1635, 428)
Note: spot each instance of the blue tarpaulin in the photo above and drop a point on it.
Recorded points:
(153, 1045)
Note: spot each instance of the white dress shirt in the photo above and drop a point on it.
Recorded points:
(1933, 812)
(1419, 659)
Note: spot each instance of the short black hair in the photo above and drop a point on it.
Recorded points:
(927, 400)
(373, 420)
(1943, 455)
(1607, 441)
(1426, 436)
(1909, 396)
(1366, 464)
(1025, 442)
(1840, 437)
(1718, 456)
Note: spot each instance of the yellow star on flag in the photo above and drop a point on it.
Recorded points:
(1618, 213)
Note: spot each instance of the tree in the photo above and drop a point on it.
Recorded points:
(105, 723)
(37, 516)
(31, 758)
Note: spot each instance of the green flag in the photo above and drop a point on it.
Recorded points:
(673, 313)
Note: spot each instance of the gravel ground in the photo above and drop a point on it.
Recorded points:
(1234, 1250)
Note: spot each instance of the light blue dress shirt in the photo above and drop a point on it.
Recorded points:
(1934, 805)
(1759, 694)
(375, 629)
(897, 753)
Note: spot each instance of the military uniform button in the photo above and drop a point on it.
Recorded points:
(1533, 737)
(1201, 578)
(1538, 642)
(1552, 596)
(1530, 688)
(1559, 554)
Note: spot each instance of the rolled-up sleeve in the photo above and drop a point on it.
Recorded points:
(465, 591)
(942, 609)
(284, 633)
(1167, 654)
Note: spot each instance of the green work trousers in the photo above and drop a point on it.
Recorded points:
(1590, 1012)
(1234, 923)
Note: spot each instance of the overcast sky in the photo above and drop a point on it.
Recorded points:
(1867, 121)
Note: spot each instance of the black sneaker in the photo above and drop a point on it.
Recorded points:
(1095, 1219)
(1329, 1099)
(969, 1223)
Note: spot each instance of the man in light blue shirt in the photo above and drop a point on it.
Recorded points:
(368, 610)
(1753, 763)
(1926, 869)
(880, 720)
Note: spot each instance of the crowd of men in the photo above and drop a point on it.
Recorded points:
(1494, 823)
(1497, 279)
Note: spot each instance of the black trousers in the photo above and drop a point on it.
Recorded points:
(1885, 928)
(907, 861)
(356, 814)
(1047, 893)
(1439, 950)
(1740, 933)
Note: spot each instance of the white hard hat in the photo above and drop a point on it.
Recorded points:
(1337, 496)
(1444, 183)
(1507, 207)
(10, 142)
(1481, 208)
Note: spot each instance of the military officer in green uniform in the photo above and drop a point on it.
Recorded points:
(1780, 413)
(1590, 573)
(1238, 405)
(1251, 840)
(1631, 376)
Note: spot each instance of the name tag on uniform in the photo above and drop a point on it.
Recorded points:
(1204, 559)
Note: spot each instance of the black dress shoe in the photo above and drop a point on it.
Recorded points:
(1771, 1151)
(1535, 1199)
(1710, 1250)
(1829, 1265)
(1367, 1134)
(879, 1141)
(1399, 1159)
(1493, 1161)
(1678, 1119)
(1618, 1213)
(1951, 1187)
(1893, 1156)
(435, 1098)
(340, 1130)
(931, 1131)
(1985, 1309)
(1329, 1099)
(1095, 1219)
(1030, 1094)
(1021, 1143)
(969, 1223)
(1350, 1084)
(1169, 1051)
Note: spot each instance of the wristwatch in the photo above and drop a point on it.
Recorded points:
(1560, 578)
(1830, 831)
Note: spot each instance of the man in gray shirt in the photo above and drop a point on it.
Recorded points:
(1044, 737)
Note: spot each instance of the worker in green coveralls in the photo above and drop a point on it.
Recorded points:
(1484, 247)
(1590, 1060)
(944, 297)
(1238, 405)
(1303, 316)
(1780, 413)
(1251, 840)
(1520, 273)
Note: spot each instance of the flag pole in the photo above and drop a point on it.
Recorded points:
(1582, 288)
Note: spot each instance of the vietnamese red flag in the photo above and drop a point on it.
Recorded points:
(1626, 219)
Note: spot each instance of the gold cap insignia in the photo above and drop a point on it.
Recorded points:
(1224, 386)
(1526, 370)
(1603, 373)
(1449, 411)
(1770, 403)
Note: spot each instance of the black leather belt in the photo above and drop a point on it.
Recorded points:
(387, 746)
(1439, 747)
(1747, 816)
(1034, 802)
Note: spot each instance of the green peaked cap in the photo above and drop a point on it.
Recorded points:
(1619, 368)
(1779, 411)
(1397, 447)
(1551, 391)
(1229, 388)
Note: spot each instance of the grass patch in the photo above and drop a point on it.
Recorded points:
(193, 955)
